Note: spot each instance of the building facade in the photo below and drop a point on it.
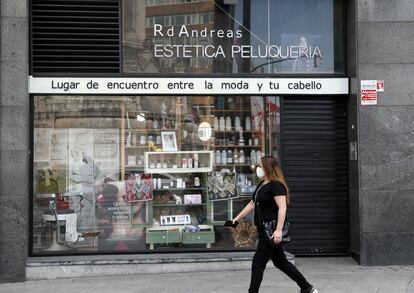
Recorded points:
(135, 127)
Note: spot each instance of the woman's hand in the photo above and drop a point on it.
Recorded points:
(277, 236)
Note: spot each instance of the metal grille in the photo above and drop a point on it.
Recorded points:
(314, 159)
(75, 36)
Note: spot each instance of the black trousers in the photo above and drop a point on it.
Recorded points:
(265, 252)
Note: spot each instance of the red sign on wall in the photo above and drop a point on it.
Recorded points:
(369, 92)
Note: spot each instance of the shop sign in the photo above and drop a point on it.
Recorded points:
(369, 92)
(188, 86)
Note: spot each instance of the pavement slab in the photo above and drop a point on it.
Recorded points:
(329, 275)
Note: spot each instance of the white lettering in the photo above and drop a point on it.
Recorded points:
(183, 32)
(158, 30)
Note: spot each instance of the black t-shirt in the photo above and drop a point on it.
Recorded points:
(266, 201)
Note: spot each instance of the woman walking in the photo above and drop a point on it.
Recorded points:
(271, 196)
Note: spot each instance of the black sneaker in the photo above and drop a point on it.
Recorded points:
(310, 290)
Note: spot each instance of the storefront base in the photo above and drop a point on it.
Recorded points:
(68, 267)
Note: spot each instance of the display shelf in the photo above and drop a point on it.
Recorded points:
(229, 110)
(177, 170)
(141, 146)
(236, 131)
(237, 146)
(177, 205)
(205, 160)
(233, 165)
(149, 130)
(179, 189)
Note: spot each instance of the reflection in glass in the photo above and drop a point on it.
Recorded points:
(243, 36)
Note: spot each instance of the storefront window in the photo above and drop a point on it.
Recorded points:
(137, 173)
(248, 36)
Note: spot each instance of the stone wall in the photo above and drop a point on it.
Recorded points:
(385, 46)
(14, 142)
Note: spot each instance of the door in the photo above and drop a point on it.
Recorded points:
(314, 160)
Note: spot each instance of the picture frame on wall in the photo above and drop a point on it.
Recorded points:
(169, 141)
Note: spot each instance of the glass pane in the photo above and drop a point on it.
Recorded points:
(117, 174)
(253, 37)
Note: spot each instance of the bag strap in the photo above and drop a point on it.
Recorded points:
(255, 203)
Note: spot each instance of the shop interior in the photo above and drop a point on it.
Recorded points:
(125, 174)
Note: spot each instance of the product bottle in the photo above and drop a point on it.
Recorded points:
(222, 124)
(195, 161)
(229, 157)
(155, 124)
(253, 157)
(256, 140)
(159, 183)
(218, 157)
(242, 157)
(236, 156)
(184, 163)
(223, 157)
(228, 123)
(248, 124)
(258, 157)
(196, 181)
(216, 123)
(237, 125)
(241, 139)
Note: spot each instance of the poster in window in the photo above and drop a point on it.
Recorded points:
(222, 186)
(138, 187)
(106, 152)
(82, 173)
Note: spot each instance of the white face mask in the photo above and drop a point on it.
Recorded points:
(259, 172)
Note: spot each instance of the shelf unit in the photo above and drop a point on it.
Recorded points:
(205, 162)
(178, 205)
(178, 235)
(212, 212)
(241, 108)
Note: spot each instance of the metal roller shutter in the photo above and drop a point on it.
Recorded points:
(75, 36)
(315, 163)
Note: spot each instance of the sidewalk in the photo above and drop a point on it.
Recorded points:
(330, 275)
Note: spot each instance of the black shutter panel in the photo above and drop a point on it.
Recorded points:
(314, 160)
(75, 36)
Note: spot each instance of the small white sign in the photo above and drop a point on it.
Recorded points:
(369, 92)
(175, 220)
(380, 86)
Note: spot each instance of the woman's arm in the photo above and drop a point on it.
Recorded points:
(247, 210)
(281, 204)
